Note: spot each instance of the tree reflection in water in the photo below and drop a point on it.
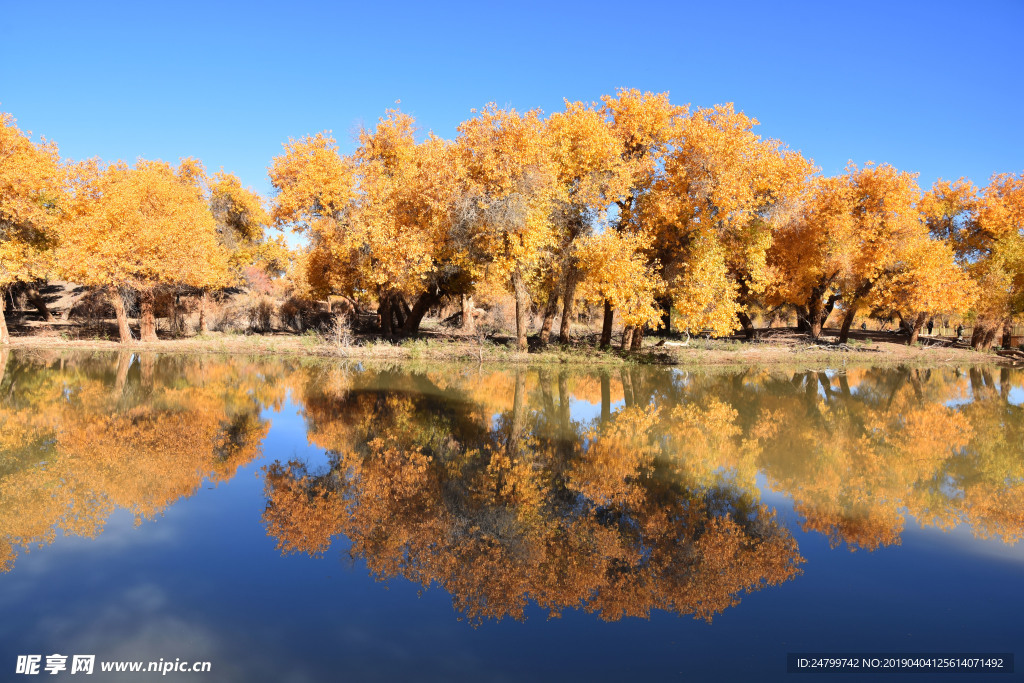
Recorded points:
(81, 439)
(620, 492)
(483, 484)
(527, 505)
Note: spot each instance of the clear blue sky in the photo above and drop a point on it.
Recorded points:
(935, 87)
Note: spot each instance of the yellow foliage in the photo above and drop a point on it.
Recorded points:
(589, 156)
(142, 227)
(711, 211)
(614, 268)
(32, 193)
(311, 181)
(987, 235)
(704, 296)
(999, 269)
(930, 283)
(510, 186)
(237, 209)
(856, 235)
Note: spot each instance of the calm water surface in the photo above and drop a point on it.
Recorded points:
(319, 521)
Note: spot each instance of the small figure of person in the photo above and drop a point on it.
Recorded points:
(960, 332)
(864, 326)
(931, 326)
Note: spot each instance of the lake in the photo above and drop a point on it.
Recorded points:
(311, 520)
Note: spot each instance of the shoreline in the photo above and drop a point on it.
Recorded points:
(695, 353)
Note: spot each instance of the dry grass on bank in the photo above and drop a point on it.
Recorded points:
(777, 347)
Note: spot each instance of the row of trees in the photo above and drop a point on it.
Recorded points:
(645, 207)
(635, 204)
(128, 230)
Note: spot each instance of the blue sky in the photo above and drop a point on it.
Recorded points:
(933, 87)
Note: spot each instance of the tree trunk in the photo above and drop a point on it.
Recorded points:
(549, 318)
(518, 422)
(829, 307)
(147, 369)
(853, 305)
(177, 318)
(398, 309)
(990, 338)
(5, 336)
(124, 364)
(802, 314)
(468, 320)
(844, 331)
(124, 332)
(746, 323)
(980, 336)
(818, 311)
(627, 388)
(606, 327)
(522, 308)
(915, 330)
(423, 304)
(606, 397)
(384, 313)
(815, 319)
(665, 304)
(568, 309)
(403, 307)
(40, 303)
(627, 338)
(1007, 340)
(147, 319)
(204, 317)
(66, 313)
(638, 339)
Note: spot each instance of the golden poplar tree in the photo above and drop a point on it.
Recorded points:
(592, 174)
(854, 234)
(614, 269)
(986, 234)
(241, 220)
(137, 229)
(999, 269)
(397, 235)
(646, 125)
(932, 284)
(713, 215)
(510, 188)
(377, 221)
(31, 195)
